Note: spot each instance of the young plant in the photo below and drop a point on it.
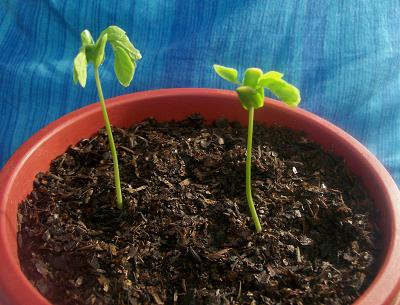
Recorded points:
(125, 57)
(251, 95)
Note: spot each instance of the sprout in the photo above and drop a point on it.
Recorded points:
(251, 95)
(125, 57)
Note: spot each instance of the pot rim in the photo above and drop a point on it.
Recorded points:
(382, 290)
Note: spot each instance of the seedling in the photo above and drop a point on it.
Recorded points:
(251, 95)
(125, 57)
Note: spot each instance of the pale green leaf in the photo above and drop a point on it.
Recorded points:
(100, 50)
(251, 76)
(118, 38)
(75, 76)
(133, 53)
(80, 68)
(123, 66)
(266, 78)
(250, 97)
(271, 74)
(86, 38)
(260, 91)
(286, 92)
(229, 74)
(114, 33)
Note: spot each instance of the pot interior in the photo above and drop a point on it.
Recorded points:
(35, 155)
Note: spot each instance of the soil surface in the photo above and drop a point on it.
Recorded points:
(185, 235)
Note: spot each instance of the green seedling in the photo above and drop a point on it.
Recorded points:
(125, 57)
(251, 95)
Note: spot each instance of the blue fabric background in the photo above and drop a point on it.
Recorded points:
(343, 55)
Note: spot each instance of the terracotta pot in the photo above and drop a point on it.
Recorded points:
(35, 155)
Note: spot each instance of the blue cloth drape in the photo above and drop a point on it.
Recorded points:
(343, 55)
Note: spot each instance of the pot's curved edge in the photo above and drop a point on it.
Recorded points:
(7, 178)
(21, 155)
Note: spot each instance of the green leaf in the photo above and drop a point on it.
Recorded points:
(118, 38)
(286, 92)
(229, 74)
(251, 76)
(125, 55)
(80, 68)
(75, 76)
(114, 33)
(250, 97)
(268, 77)
(99, 51)
(271, 74)
(124, 67)
(261, 93)
(86, 38)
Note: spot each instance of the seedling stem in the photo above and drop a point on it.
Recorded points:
(118, 191)
(250, 202)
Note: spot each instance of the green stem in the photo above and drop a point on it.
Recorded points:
(250, 202)
(110, 139)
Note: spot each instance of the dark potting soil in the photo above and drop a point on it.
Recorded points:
(184, 235)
